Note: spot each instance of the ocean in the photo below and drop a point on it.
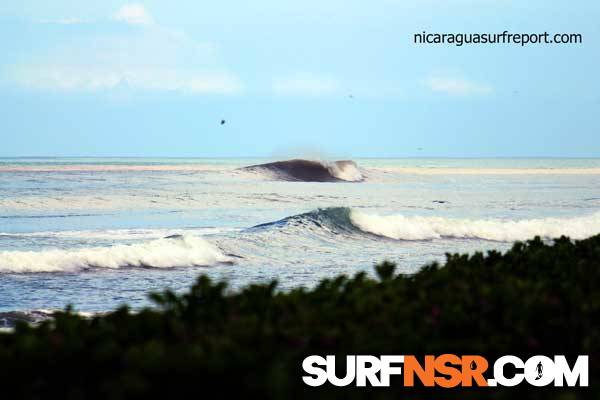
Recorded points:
(100, 232)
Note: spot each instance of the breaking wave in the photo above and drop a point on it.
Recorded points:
(310, 171)
(400, 227)
(421, 228)
(173, 251)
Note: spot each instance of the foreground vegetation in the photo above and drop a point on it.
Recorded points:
(534, 299)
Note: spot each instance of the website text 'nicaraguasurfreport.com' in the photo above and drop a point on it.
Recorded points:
(506, 37)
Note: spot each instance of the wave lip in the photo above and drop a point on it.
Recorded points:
(310, 171)
(171, 252)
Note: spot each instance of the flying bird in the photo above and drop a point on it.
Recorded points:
(222, 122)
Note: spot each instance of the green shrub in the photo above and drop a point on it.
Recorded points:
(536, 298)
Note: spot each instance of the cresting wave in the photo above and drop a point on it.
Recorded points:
(421, 228)
(310, 171)
(173, 251)
(401, 227)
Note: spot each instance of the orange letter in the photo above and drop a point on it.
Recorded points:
(454, 373)
(473, 367)
(412, 366)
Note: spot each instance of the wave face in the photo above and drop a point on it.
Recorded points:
(174, 251)
(310, 171)
(335, 220)
(400, 227)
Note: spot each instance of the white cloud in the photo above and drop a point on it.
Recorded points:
(62, 21)
(305, 85)
(458, 86)
(151, 59)
(134, 14)
(85, 78)
(218, 83)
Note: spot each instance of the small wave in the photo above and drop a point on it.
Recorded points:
(310, 171)
(400, 227)
(9, 319)
(335, 219)
(177, 251)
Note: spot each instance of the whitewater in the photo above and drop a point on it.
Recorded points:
(97, 233)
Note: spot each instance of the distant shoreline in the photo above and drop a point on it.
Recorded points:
(491, 171)
(216, 167)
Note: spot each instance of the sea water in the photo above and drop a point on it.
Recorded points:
(100, 232)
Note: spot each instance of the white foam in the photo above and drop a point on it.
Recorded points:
(344, 170)
(181, 251)
(422, 228)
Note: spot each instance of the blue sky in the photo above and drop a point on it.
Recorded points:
(154, 78)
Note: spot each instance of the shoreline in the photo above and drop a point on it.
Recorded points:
(232, 168)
